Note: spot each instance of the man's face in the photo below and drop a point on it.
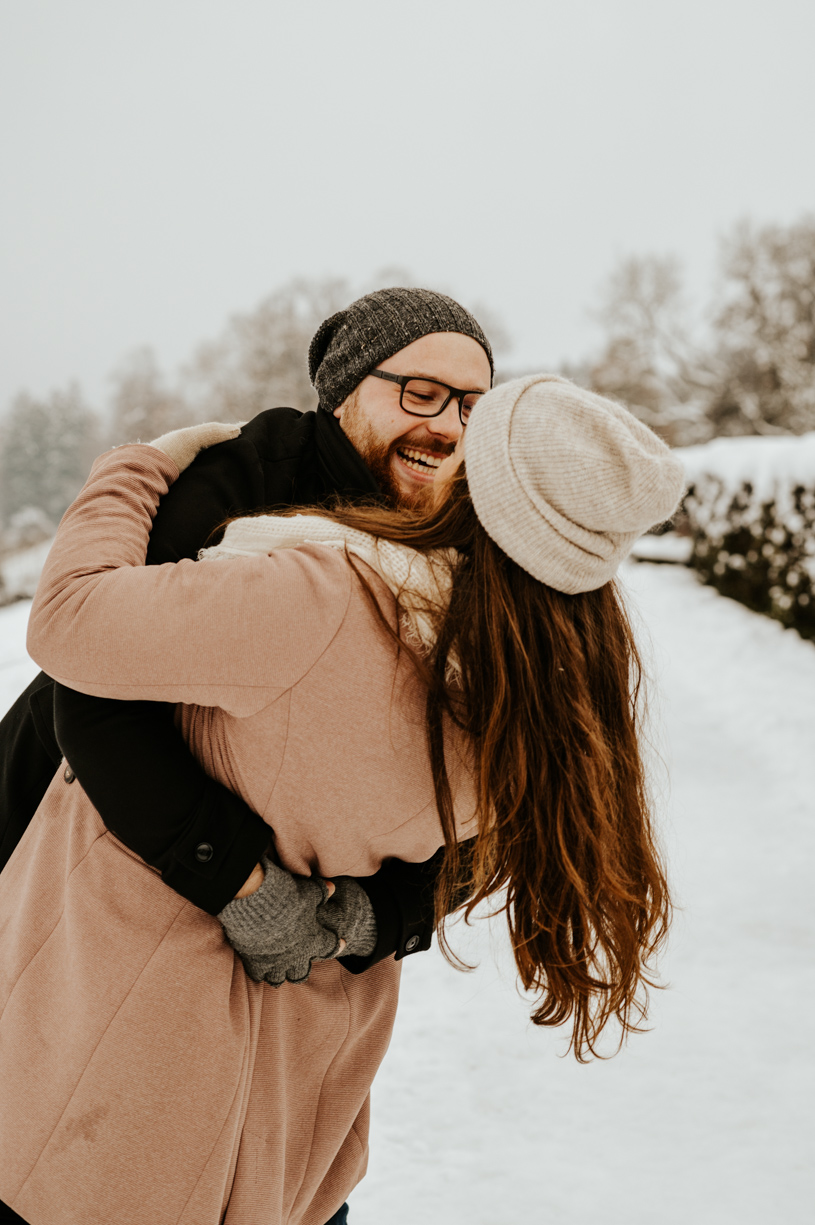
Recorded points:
(403, 451)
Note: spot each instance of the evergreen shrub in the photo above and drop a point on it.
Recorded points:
(757, 545)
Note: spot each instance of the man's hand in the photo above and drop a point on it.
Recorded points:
(256, 879)
(280, 927)
(277, 930)
(253, 883)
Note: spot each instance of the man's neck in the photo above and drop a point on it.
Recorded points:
(343, 468)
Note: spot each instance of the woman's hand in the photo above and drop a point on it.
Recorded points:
(182, 446)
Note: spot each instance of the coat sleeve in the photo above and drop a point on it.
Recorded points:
(149, 790)
(234, 634)
(107, 743)
(29, 755)
(167, 812)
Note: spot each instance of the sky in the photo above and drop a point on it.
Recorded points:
(167, 163)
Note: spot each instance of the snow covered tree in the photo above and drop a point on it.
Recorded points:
(143, 407)
(766, 331)
(47, 449)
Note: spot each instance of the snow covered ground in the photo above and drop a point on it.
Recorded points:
(20, 571)
(16, 669)
(766, 462)
(708, 1119)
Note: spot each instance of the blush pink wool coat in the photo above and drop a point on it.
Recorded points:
(144, 1079)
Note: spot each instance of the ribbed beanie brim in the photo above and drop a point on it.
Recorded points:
(565, 481)
(354, 341)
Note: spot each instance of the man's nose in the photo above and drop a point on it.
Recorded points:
(448, 424)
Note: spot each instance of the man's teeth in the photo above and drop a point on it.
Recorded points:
(419, 461)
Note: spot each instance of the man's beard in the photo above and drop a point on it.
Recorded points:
(378, 456)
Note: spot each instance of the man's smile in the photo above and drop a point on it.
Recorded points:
(420, 462)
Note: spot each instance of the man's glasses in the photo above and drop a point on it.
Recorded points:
(429, 397)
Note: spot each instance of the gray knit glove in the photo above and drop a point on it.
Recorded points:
(349, 913)
(281, 928)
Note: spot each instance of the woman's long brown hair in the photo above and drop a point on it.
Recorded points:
(549, 695)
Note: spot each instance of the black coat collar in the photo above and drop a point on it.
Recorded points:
(342, 469)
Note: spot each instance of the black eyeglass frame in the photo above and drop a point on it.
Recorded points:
(455, 392)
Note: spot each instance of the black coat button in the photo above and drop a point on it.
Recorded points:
(69, 775)
(411, 944)
(203, 852)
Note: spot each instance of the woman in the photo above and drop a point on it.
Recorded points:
(388, 683)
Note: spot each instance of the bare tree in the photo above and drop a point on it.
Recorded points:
(765, 328)
(143, 407)
(649, 360)
(260, 359)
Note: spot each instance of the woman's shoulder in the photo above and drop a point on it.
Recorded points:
(305, 547)
(335, 573)
(313, 586)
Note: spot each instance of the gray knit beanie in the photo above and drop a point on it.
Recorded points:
(564, 481)
(352, 343)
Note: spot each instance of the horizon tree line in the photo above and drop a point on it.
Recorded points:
(746, 366)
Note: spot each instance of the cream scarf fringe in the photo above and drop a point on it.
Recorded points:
(421, 582)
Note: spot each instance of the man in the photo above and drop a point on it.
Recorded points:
(396, 373)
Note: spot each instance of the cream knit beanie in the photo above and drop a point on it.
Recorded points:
(564, 481)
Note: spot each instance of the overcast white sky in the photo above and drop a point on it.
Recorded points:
(168, 162)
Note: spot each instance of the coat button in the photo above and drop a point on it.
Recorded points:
(411, 944)
(203, 852)
(69, 775)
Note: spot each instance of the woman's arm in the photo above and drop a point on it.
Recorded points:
(401, 894)
(129, 756)
(104, 623)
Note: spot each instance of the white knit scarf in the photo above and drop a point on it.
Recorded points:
(420, 582)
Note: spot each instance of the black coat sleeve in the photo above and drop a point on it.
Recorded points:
(152, 794)
(29, 755)
(402, 897)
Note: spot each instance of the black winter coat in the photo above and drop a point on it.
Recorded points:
(129, 757)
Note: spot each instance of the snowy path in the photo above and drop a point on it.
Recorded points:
(708, 1119)
(704, 1121)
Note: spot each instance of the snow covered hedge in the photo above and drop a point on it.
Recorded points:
(751, 513)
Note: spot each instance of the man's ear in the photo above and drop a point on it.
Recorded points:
(349, 400)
